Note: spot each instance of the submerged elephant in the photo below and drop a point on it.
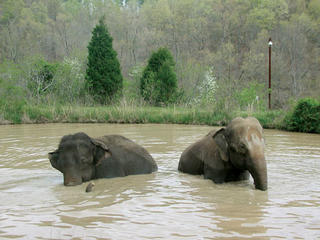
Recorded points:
(229, 154)
(81, 158)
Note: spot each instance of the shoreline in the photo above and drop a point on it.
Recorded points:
(130, 114)
(134, 115)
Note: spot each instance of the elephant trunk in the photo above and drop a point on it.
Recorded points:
(70, 178)
(260, 176)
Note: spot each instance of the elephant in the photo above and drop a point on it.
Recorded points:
(229, 154)
(81, 158)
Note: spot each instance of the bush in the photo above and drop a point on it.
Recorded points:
(158, 84)
(250, 98)
(70, 83)
(305, 117)
(41, 77)
(12, 101)
(131, 85)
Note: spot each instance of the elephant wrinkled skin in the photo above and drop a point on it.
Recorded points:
(81, 158)
(229, 154)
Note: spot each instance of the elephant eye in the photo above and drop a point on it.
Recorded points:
(84, 153)
(242, 148)
(85, 160)
(239, 148)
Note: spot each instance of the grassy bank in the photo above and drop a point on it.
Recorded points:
(132, 114)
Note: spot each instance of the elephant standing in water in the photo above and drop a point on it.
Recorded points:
(229, 153)
(81, 158)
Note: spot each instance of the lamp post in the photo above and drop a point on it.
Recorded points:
(270, 45)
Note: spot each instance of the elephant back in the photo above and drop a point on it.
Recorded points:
(133, 157)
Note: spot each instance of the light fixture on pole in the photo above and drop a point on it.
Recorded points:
(269, 90)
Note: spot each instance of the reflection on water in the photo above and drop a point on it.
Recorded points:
(164, 205)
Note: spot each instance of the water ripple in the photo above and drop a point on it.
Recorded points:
(163, 205)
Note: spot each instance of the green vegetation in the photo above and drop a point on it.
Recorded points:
(12, 102)
(104, 79)
(158, 84)
(131, 114)
(219, 48)
(41, 77)
(210, 61)
(305, 117)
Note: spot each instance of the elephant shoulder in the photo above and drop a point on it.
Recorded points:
(199, 150)
(190, 161)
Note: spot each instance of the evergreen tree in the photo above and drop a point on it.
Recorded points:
(103, 76)
(158, 83)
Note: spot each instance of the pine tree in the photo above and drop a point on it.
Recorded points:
(103, 76)
(158, 83)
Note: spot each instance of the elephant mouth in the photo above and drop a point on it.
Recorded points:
(68, 184)
(71, 181)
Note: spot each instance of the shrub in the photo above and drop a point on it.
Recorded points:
(207, 89)
(248, 98)
(41, 77)
(69, 82)
(158, 84)
(131, 85)
(12, 101)
(305, 117)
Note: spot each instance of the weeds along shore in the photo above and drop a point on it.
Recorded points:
(131, 114)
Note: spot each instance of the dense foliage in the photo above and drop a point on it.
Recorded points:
(11, 102)
(219, 48)
(104, 79)
(305, 117)
(158, 84)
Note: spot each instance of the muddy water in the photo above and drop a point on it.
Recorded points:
(164, 205)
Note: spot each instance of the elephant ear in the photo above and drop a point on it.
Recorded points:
(53, 157)
(221, 141)
(101, 151)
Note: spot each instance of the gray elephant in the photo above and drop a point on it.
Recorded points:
(229, 154)
(81, 158)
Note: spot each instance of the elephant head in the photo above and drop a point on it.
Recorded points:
(77, 157)
(241, 144)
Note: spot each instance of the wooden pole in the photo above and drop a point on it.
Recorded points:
(270, 44)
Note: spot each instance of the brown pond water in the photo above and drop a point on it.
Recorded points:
(167, 204)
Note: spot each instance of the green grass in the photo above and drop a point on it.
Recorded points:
(134, 114)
